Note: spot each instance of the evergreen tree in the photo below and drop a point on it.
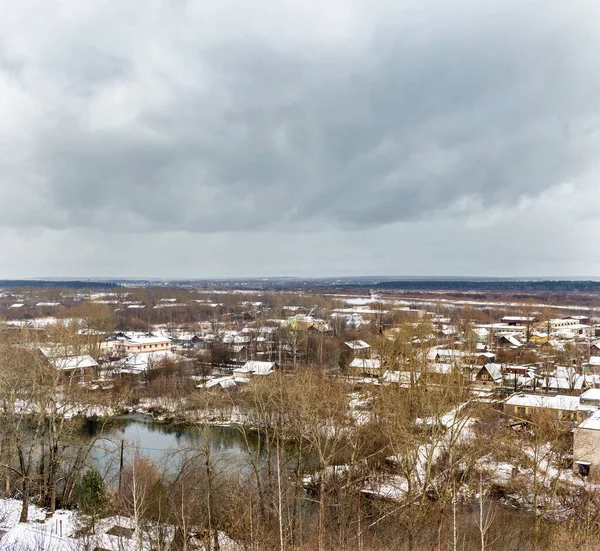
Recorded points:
(92, 498)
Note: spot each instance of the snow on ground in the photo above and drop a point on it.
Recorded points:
(500, 472)
(225, 544)
(549, 476)
(38, 533)
(327, 473)
(394, 487)
(120, 534)
(58, 533)
(357, 401)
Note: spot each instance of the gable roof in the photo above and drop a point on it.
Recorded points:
(494, 371)
(69, 363)
(402, 377)
(357, 345)
(366, 363)
(257, 367)
(511, 339)
(591, 394)
(562, 402)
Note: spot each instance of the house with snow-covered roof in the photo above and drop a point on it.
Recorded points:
(366, 366)
(559, 406)
(489, 375)
(142, 344)
(591, 397)
(508, 341)
(358, 345)
(255, 368)
(586, 446)
(137, 364)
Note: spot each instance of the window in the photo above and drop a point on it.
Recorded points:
(584, 468)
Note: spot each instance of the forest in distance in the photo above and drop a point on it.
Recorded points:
(389, 283)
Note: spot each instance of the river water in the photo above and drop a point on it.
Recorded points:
(165, 445)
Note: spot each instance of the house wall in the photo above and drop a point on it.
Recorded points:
(484, 379)
(586, 447)
(572, 332)
(78, 374)
(559, 323)
(524, 412)
(131, 348)
(589, 402)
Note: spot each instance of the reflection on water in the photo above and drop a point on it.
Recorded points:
(166, 445)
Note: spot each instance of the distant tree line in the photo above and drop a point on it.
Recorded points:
(496, 285)
(40, 283)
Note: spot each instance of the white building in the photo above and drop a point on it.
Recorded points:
(141, 344)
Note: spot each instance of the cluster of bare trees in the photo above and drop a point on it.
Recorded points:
(43, 445)
(402, 470)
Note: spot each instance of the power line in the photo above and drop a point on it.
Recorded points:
(150, 449)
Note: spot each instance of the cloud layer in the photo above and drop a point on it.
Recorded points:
(310, 138)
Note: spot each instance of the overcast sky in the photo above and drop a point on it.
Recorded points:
(182, 138)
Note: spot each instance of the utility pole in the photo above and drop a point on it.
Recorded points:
(121, 465)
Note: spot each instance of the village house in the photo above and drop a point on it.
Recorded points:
(480, 334)
(565, 380)
(228, 382)
(591, 397)
(351, 320)
(136, 364)
(255, 368)
(141, 344)
(593, 364)
(538, 338)
(403, 378)
(518, 321)
(239, 353)
(366, 366)
(520, 381)
(562, 323)
(595, 348)
(446, 355)
(78, 366)
(437, 373)
(187, 340)
(497, 329)
(359, 348)
(447, 331)
(553, 344)
(512, 369)
(586, 446)
(484, 357)
(508, 341)
(488, 375)
(561, 407)
(574, 331)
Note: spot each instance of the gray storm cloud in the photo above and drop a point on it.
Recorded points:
(207, 117)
